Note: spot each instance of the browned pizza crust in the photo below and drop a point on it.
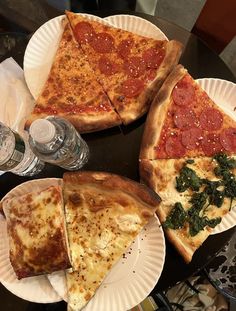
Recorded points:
(83, 123)
(114, 182)
(72, 92)
(157, 114)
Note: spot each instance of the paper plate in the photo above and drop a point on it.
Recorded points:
(136, 25)
(223, 93)
(40, 52)
(132, 278)
(35, 289)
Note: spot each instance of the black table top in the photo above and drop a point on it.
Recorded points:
(116, 150)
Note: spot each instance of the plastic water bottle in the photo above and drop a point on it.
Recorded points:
(55, 140)
(16, 155)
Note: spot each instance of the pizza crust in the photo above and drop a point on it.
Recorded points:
(86, 123)
(113, 182)
(157, 114)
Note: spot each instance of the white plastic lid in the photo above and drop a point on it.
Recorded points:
(42, 131)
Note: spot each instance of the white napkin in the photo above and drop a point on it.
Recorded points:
(16, 102)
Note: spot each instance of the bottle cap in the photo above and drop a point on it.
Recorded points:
(42, 131)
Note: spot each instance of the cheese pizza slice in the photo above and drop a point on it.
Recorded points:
(196, 194)
(131, 68)
(72, 92)
(37, 233)
(104, 214)
(185, 122)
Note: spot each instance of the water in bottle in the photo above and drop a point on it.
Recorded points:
(16, 155)
(55, 140)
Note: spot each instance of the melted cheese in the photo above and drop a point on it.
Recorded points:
(36, 229)
(128, 223)
(101, 225)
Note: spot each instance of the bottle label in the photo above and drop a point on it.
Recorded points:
(17, 155)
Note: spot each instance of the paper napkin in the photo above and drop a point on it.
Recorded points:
(16, 102)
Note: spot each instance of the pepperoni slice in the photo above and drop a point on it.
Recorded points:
(153, 57)
(185, 118)
(211, 119)
(103, 42)
(132, 87)
(228, 139)
(192, 138)
(84, 32)
(151, 74)
(124, 48)
(211, 144)
(134, 67)
(183, 93)
(106, 66)
(174, 147)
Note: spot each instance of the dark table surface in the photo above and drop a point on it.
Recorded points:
(116, 150)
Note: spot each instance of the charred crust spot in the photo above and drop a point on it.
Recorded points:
(147, 214)
(75, 198)
(87, 296)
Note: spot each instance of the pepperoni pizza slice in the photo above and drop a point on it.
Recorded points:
(131, 68)
(185, 122)
(72, 92)
(188, 156)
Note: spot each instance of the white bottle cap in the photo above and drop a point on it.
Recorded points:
(42, 131)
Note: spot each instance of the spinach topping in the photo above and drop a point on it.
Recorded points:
(216, 197)
(197, 223)
(187, 179)
(228, 179)
(176, 218)
(212, 193)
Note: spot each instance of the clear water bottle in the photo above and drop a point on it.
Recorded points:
(16, 155)
(56, 141)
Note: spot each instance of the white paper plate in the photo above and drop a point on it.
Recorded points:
(132, 278)
(40, 51)
(223, 93)
(43, 45)
(35, 289)
(137, 25)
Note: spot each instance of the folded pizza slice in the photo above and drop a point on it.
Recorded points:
(130, 67)
(37, 232)
(185, 122)
(104, 214)
(72, 91)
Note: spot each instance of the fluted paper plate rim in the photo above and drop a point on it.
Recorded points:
(137, 25)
